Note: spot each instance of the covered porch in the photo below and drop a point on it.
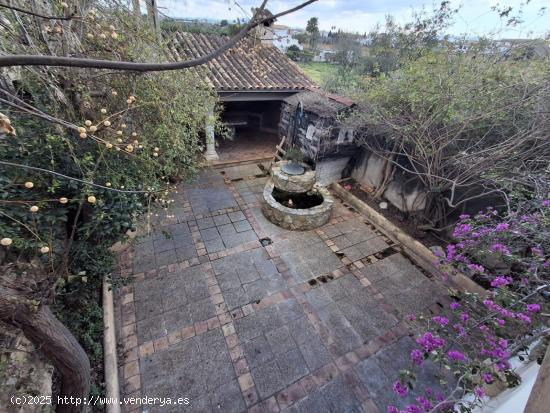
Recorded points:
(251, 119)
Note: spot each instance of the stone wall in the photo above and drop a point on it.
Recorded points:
(296, 219)
(292, 183)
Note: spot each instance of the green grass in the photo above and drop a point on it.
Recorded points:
(317, 71)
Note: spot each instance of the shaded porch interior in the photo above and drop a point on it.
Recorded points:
(253, 130)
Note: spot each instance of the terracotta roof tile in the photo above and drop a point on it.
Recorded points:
(250, 65)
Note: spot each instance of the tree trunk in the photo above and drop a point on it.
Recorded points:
(136, 9)
(153, 16)
(55, 341)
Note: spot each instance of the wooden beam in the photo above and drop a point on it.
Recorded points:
(539, 399)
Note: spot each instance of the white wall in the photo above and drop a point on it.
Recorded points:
(330, 170)
(369, 171)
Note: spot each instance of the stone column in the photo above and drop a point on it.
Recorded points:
(211, 154)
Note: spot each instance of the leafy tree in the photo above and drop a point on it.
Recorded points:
(312, 28)
(463, 126)
(293, 52)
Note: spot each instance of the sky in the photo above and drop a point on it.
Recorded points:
(474, 18)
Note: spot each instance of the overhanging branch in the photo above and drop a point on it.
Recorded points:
(59, 61)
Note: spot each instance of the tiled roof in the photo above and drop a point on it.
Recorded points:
(250, 65)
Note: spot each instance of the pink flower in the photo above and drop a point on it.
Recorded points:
(476, 268)
(442, 321)
(400, 388)
(488, 378)
(502, 227)
(454, 305)
(546, 203)
(425, 403)
(464, 316)
(430, 342)
(533, 308)
(479, 392)
(498, 247)
(413, 408)
(392, 409)
(501, 281)
(417, 357)
(456, 355)
(524, 317)
(537, 251)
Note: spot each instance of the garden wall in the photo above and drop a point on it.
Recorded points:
(403, 191)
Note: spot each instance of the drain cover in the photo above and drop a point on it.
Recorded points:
(266, 241)
(292, 168)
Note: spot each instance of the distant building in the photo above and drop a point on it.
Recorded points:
(282, 38)
(324, 56)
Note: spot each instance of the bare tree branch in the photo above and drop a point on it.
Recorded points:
(31, 13)
(40, 60)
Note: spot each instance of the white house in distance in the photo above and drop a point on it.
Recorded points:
(324, 56)
(282, 38)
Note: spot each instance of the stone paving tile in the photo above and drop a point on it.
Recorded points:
(306, 263)
(268, 379)
(278, 331)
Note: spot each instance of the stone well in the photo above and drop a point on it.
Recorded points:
(297, 219)
(292, 183)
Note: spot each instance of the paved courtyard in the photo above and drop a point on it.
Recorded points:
(238, 315)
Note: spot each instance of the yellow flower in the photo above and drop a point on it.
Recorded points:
(63, 200)
(81, 130)
(103, 110)
(34, 208)
(88, 123)
(6, 241)
(107, 123)
(93, 128)
(114, 35)
(45, 250)
(92, 199)
(83, 135)
(119, 132)
(107, 184)
(109, 145)
(29, 185)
